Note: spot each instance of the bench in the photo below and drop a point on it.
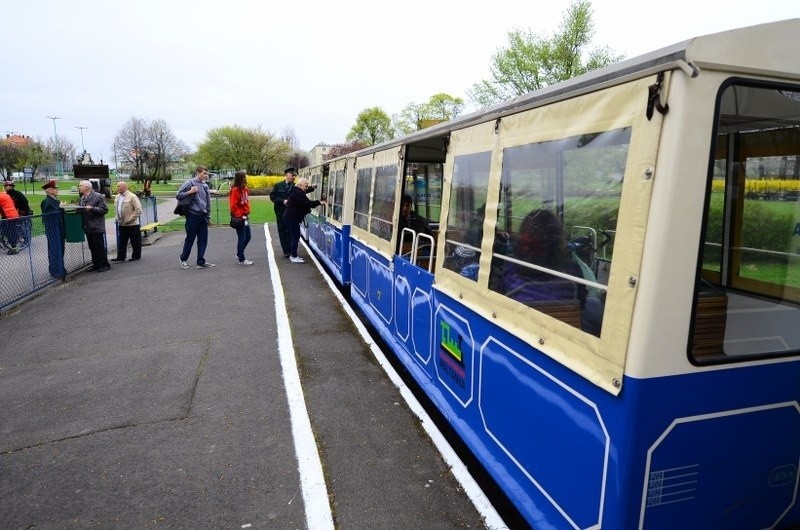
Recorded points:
(710, 318)
(150, 226)
(568, 311)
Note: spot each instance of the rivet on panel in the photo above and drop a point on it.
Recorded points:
(648, 173)
(632, 281)
(541, 340)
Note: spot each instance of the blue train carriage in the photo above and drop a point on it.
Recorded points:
(610, 315)
(328, 231)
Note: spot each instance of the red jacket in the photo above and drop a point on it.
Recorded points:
(239, 201)
(7, 208)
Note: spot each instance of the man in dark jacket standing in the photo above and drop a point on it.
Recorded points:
(198, 217)
(94, 208)
(278, 195)
(24, 210)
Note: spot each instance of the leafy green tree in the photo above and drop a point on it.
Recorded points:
(372, 126)
(416, 116)
(443, 107)
(34, 155)
(254, 150)
(531, 62)
(9, 159)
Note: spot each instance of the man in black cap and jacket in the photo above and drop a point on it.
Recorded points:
(278, 196)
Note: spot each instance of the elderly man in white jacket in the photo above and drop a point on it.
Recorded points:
(129, 209)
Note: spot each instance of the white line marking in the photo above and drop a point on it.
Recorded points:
(312, 480)
(491, 518)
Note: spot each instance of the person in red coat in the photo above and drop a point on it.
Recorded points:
(239, 202)
(8, 225)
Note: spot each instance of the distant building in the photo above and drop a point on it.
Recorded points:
(16, 139)
(318, 154)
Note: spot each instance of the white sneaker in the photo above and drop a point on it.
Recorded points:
(184, 265)
(246, 262)
(297, 259)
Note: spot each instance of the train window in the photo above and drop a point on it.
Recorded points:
(386, 182)
(467, 212)
(424, 184)
(336, 183)
(555, 198)
(363, 192)
(747, 299)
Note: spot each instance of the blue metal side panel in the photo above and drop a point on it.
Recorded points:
(359, 265)
(700, 450)
(330, 246)
(380, 287)
(413, 311)
(720, 449)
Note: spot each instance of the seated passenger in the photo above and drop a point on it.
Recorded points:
(410, 219)
(540, 242)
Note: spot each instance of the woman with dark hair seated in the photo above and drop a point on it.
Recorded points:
(540, 242)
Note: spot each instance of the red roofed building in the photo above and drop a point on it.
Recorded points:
(17, 139)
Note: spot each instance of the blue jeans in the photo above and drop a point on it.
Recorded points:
(196, 227)
(244, 239)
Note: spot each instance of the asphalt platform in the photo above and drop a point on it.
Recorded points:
(155, 397)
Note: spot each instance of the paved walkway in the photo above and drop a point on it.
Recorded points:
(155, 397)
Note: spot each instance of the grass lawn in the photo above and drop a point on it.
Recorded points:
(261, 211)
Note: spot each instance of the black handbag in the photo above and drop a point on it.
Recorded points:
(182, 207)
(237, 222)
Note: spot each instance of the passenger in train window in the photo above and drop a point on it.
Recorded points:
(410, 219)
(540, 242)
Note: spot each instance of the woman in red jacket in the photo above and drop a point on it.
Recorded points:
(239, 202)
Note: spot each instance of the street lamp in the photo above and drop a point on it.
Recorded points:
(82, 128)
(55, 136)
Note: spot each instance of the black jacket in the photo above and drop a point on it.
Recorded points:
(298, 205)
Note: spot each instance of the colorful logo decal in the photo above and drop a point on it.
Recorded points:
(451, 358)
(454, 355)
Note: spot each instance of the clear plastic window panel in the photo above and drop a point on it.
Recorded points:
(557, 214)
(363, 191)
(337, 192)
(383, 201)
(467, 212)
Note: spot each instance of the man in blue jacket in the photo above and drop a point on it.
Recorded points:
(198, 217)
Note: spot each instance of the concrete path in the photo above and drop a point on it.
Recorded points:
(156, 397)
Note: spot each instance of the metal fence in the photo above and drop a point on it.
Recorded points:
(39, 250)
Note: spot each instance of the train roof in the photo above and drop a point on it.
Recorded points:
(738, 50)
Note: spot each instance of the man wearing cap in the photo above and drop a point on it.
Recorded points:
(51, 217)
(20, 200)
(94, 209)
(278, 196)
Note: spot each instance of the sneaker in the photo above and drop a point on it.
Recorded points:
(297, 259)
(206, 265)
(184, 265)
(287, 255)
(246, 262)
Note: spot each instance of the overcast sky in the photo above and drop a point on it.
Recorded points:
(308, 66)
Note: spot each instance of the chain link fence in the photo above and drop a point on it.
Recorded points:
(39, 250)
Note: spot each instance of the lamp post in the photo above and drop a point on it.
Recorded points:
(82, 128)
(55, 136)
